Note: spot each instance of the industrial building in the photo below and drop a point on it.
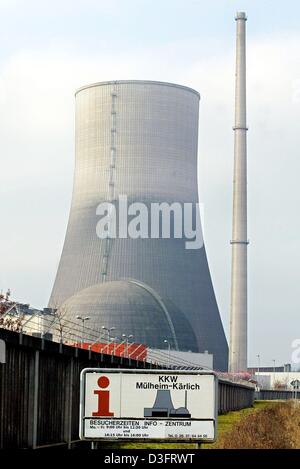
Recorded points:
(284, 380)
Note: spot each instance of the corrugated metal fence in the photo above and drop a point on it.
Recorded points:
(234, 396)
(39, 390)
(276, 394)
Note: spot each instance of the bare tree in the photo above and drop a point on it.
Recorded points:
(280, 384)
(10, 316)
(59, 322)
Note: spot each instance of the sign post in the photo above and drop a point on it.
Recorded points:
(296, 386)
(143, 405)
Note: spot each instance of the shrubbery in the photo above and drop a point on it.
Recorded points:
(274, 427)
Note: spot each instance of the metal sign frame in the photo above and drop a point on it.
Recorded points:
(82, 416)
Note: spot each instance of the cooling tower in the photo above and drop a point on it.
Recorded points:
(138, 139)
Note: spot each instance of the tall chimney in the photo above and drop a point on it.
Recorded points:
(238, 313)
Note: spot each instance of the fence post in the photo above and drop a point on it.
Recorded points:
(68, 406)
(33, 401)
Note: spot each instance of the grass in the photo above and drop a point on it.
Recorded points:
(276, 426)
(226, 423)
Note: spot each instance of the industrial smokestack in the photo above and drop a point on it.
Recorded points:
(238, 314)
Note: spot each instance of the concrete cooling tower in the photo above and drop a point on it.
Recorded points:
(136, 141)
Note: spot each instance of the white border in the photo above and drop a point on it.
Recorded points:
(147, 371)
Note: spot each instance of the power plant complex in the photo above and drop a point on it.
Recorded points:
(130, 350)
(136, 147)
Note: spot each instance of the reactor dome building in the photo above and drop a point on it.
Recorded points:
(134, 307)
(138, 140)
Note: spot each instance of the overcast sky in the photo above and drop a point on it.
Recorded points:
(50, 48)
